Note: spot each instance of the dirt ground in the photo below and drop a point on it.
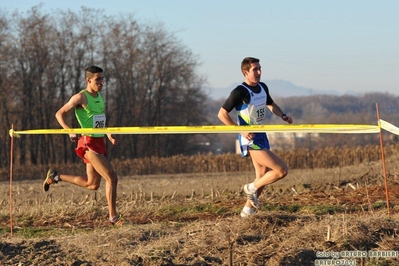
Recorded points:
(309, 218)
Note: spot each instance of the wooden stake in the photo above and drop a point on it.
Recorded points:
(11, 170)
(383, 164)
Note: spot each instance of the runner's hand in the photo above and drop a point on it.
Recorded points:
(287, 118)
(248, 135)
(113, 140)
(73, 137)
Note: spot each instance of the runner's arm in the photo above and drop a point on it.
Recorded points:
(224, 116)
(275, 109)
(65, 109)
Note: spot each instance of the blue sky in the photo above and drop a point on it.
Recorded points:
(340, 45)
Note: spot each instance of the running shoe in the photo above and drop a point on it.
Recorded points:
(117, 220)
(245, 214)
(51, 178)
(252, 197)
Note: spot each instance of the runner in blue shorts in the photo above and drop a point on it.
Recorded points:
(250, 100)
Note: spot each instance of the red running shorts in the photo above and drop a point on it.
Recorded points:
(96, 145)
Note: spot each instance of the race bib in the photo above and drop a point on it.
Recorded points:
(99, 121)
(260, 112)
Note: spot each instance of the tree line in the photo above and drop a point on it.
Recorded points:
(151, 80)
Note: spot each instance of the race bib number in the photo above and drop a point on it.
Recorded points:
(260, 113)
(99, 121)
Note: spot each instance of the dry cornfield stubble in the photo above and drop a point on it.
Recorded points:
(193, 219)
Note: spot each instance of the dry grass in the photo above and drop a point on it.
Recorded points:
(323, 158)
(193, 219)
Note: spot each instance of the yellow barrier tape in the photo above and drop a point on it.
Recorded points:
(389, 127)
(310, 128)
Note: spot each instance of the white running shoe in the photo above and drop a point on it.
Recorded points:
(245, 214)
(252, 197)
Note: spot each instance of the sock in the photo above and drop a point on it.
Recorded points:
(247, 209)
(252, 188)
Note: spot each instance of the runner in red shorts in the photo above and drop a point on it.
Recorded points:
(89, 109)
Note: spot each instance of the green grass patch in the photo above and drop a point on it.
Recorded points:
(42, 232)
(293, 208)
(379, 204)
(33, 232)
(324, 209)
(4, 230)
(178, 210)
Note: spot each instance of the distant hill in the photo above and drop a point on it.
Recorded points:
(283, 88)
(278, 88)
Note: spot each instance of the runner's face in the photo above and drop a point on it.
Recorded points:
(96, 81)
(253, 75)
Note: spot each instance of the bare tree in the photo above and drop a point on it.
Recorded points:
(151, 80)
(6, 85)
(175, 95)
(32, 61)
